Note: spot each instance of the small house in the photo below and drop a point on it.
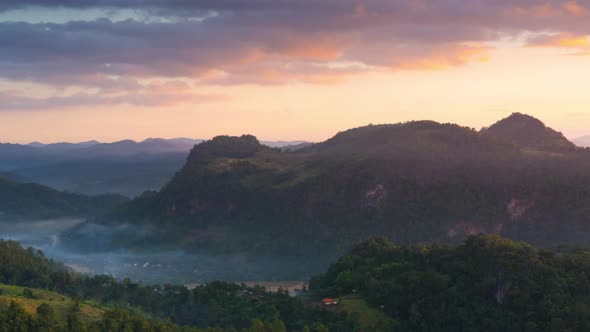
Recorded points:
(329, 301)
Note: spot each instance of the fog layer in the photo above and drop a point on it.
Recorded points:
(153, 266)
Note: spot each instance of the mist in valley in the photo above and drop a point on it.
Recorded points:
(154, 266)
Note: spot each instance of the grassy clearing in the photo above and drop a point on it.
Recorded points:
(371, 319)
(61, 304)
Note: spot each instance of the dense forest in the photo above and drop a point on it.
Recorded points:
(486, 284)
(30, 201)
(16, 318)
(224, 306)
(411, 182)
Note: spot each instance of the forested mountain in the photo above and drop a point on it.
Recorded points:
(125, 167)
(29, 201)
(412, 182)
(486, 284)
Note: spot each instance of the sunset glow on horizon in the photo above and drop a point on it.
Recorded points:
(288, 70)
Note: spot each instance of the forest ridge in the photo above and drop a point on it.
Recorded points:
(411, 182)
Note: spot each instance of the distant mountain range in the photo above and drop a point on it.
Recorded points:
(130, 147)
(120, 148)
(412, 182)
(124, 167)
(583, 141)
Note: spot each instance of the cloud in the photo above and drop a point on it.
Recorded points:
(269, 41)
(577, 44)
(158, 93)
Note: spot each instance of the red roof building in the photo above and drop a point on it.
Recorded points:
(328, 301)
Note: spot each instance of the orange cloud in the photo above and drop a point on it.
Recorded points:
(317, 47)
(545, 10)
(314, 52)
(562, 40)
(549, 10)
(444, 58)
(539, 11)
(575, 42)
(573, 8)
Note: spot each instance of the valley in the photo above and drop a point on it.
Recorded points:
(153, 265)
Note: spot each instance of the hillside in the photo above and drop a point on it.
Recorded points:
(527, 132)
(124, 167)
(412, 182)
(486, 284)
(61, 305)
(124, 175)
(29, 201)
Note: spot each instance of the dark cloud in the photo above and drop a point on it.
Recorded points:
(269, 41)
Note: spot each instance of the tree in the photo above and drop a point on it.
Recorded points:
(278, 326)
(344, 282)
(46, 318)
(257, 326)
(17, 318)
(74, 324)
(28, 293)
(322, 328)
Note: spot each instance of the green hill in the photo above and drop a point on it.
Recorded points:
(486, 284)
(31, 299)
(412, 182)
(29, 201)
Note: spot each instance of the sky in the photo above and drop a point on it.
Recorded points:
(286, 69)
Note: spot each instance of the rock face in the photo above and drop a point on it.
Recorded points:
(376, 195)
(516, 208)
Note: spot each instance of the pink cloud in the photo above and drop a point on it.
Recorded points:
(272, 42)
